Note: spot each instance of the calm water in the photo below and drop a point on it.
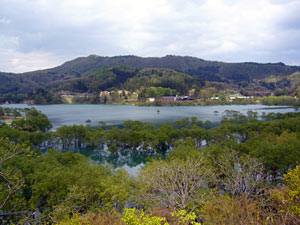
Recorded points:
(116, 114)
(131, 161)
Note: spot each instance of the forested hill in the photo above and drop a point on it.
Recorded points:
(207, 70)
(85, 66)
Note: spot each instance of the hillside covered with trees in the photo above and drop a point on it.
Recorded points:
(186, 76)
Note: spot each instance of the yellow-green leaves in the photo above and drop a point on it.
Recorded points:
(185, 217)
(135, 217)
(289, 195)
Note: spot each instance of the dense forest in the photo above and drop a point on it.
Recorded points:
(244, 171)
(88, 77)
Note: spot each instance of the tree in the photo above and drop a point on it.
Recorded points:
(240, 175)
(1, 112)
(287, 198)
(113, 149)
(134, 217)
(151, 92)
(277, 152)
(60, 184)
(230, 210)
(178, 182)
(95, 137)
(35, 121)
(11, 180)
(88, 122)
(102, 123)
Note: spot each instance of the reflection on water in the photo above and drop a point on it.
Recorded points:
(127, 159)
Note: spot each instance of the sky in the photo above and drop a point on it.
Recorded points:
(38, 34)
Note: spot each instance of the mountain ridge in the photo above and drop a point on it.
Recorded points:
(104, 58)
(82, 68)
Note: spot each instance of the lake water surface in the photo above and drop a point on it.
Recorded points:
(65, 114)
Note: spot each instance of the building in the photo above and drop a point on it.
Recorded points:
(168, 99)
(185, 98)
(151, 99)
(176, 98)
(29, 102)
(215, 98)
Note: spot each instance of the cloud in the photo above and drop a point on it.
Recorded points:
(13, 61)
(290, 17)
(227, 30)
(4, 21)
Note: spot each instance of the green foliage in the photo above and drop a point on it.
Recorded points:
(277, 151)
(159, 82)
(44, 96)
(232, 116)
(85, 66)
(77, 134)
(288, 196)
(158, 92)
(177, 74)
(11, 179)
(293, 181)
(62, 183)
(279, 100)
(185, 217)
(134, 217)
(34, 121)
(94, 218)
(221, 182)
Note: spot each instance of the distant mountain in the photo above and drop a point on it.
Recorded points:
(84, 67)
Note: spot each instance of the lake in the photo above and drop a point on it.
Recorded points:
(60, 115)
(64, 114)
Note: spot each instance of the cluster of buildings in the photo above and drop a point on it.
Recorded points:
(164, 99)
(240, 97)
(170, 99)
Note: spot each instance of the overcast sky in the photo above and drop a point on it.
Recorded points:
(36, 34)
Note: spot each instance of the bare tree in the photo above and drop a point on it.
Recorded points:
(240, 175)
(176, 183)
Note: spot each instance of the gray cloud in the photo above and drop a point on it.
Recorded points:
(290, 18)
(43, 33)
